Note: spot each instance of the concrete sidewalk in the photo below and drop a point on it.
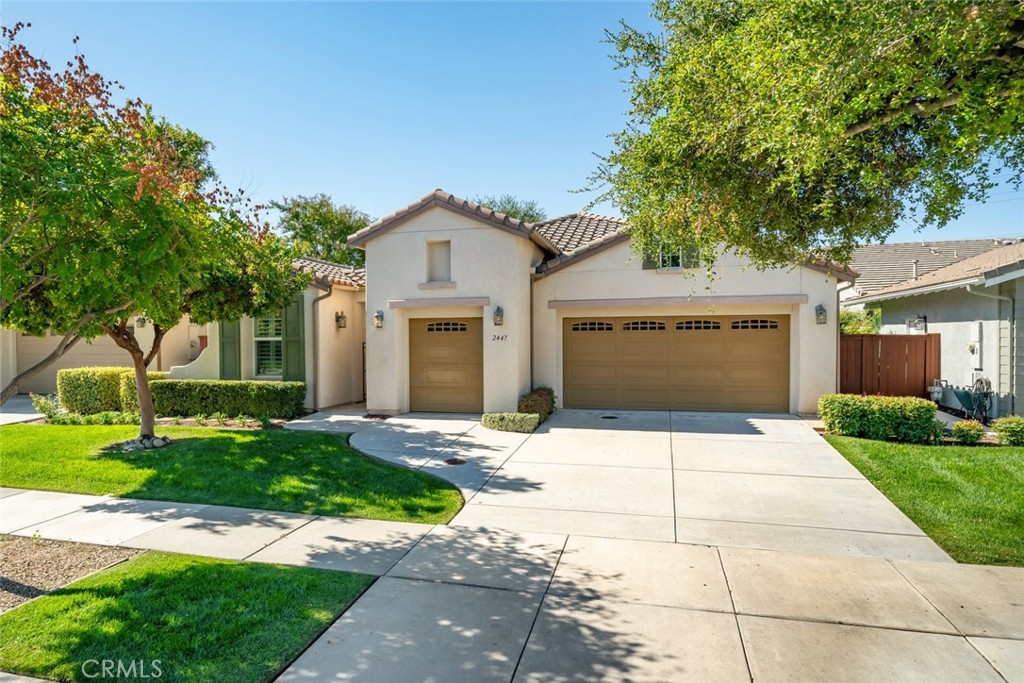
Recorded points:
(18, 409)
(473, 604)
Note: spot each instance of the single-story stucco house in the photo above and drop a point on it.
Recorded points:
(467, 308)
(974, 304)
(462, 309)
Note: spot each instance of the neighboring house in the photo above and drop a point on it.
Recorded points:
(18, 352)
(973, 304)
(317, 339)
(467, 309)
(884, 265)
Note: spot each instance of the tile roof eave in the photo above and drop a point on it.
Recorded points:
(445, 200)
(916, 291)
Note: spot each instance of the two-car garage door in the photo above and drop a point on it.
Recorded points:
(728, 363)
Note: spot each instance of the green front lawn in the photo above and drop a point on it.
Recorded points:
(290, 471)
(970, 500)
(203, 619)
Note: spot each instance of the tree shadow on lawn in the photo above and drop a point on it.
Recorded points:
(305, 472)
(203, 619)
(294, 472)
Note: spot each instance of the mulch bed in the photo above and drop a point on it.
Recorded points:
(34, 567)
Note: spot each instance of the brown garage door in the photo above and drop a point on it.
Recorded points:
(729, 363)
(446, 365)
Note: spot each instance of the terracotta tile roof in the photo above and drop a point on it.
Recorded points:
(335, 273)
(977, 268)
(885, 265)
(569, 233)
(449, 201)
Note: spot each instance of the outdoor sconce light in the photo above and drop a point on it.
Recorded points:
(340, 320)
(820, 315)
(140, 322)
(499, 316)
(378, 319)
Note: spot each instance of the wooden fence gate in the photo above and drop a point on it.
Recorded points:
(888, 364)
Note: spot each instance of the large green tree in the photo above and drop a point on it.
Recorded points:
(317, 227)
(797, 128)
(527, 210)
(105, 213)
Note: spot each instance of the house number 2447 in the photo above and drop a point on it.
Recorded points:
(499, 337)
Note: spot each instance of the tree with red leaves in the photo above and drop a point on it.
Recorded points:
(107, 211)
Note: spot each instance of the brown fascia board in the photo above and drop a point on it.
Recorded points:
(445, 200)
(836, 270)
(596, 247)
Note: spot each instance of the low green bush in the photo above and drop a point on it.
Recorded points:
(90, 390)
(968, 432)
(106, 417)
(540, 401)
(47, 406)
(898, 418)
(187, 397)
(525, 423)
(126, 388)
(1010, 430)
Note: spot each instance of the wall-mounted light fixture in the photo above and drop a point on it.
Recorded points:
(140, 322)
(820, 315)
(340, 321)
(499, 316)
(378, 319)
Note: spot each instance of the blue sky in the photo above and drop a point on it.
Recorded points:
(377, 103)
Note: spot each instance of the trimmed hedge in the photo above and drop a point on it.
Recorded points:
(898, 418)
(90, 390)
(968, 432)
(186, 397)
(524, 423)
(540, 401)
(126, 389)
(1010, 430)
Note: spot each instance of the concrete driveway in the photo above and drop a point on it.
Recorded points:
(754, 481)
(641, 546)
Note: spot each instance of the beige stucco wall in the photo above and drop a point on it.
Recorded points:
(617, 274)
(486, 262)
(340, 352)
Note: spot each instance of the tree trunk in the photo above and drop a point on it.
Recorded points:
(147, 412)
(124, 337)
(69, 340)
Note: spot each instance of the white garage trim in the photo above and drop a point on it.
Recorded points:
(440, 301)
(681, 301)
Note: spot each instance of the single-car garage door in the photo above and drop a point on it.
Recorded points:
(728, 363)
(446, 365)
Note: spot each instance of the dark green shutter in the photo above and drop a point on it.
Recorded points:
(230, 350)
(294, 343)
(649, 262)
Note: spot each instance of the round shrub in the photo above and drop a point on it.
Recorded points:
(968, 432)
(900, 418)
(90, 390)
(1010, 430)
